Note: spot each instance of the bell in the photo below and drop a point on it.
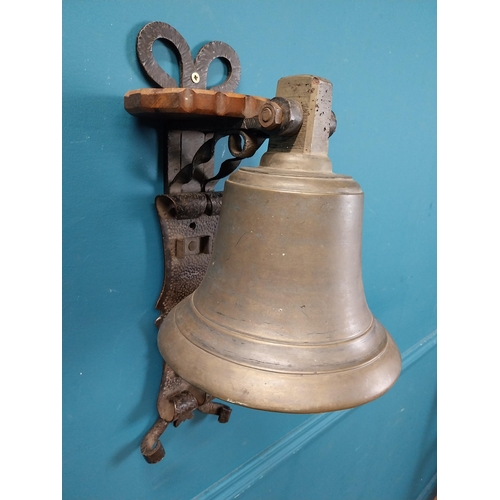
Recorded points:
(280, 321)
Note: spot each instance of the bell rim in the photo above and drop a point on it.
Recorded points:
(277, 391)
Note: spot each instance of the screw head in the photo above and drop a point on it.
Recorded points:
(195, 77)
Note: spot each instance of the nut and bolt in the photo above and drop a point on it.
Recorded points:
(270, 116)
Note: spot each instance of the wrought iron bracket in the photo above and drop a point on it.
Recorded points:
(191, 120)
(188, 223)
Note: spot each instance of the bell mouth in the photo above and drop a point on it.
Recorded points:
(189, 346)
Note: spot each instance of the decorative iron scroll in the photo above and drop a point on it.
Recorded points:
(198, 174)
(193, 74)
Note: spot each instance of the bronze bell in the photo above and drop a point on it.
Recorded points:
(280, 321)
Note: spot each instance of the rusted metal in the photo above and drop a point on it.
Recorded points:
(188, 222)
(193, 73)
(185, 219)
(151, 448)
(177, 400)
(181, 143)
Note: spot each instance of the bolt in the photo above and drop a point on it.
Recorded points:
(195, 77)
(266, 114)
(270, 115)
(333, 124)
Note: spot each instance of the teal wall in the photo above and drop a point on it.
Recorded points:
(381, 57)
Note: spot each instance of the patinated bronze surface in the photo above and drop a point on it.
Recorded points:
(280, 321)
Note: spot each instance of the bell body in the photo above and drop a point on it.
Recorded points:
(280, 321)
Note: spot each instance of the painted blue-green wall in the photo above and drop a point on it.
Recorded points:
(381, 57)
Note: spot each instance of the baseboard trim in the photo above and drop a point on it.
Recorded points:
(243, 477)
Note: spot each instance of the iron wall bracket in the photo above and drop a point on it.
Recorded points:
(191, 120)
